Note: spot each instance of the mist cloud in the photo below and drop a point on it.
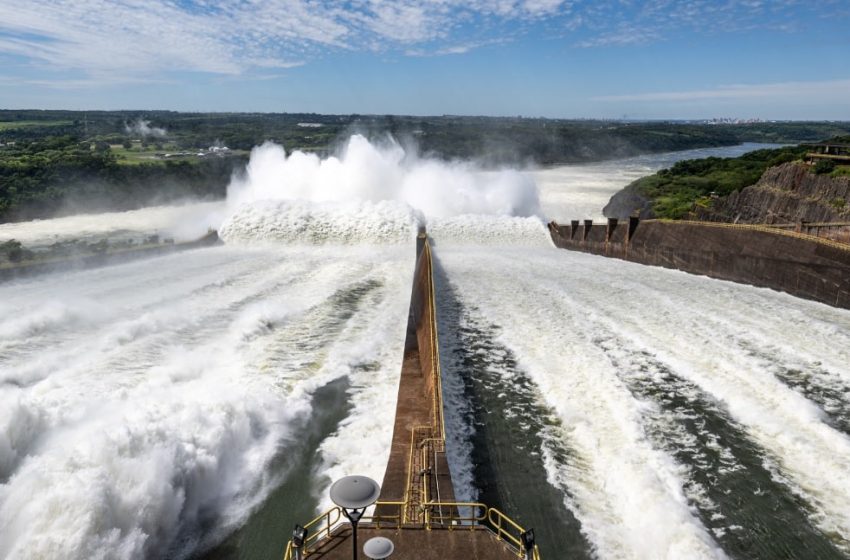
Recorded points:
(143, 128)
(368, 172)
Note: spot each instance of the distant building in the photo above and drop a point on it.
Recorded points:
(310, 125)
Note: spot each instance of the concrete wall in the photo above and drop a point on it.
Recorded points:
(422, 310)
(799, 265)
(418, 423)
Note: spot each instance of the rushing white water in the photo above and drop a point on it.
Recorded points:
(556, 311)
(182, 223)
(284, 222)
(141, 402)
(372, 172)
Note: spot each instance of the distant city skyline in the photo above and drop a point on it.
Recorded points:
(610, 59)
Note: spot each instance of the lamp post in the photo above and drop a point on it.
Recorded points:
(527, 539)
(378, 548)
(354, 494)
(299, 536)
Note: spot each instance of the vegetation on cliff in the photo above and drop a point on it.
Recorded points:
(785, 194)
(696, 185)
(673, 192)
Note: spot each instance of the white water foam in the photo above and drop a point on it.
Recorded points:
(551, 306)
(369, 192)
(287, 222)
(127, 427)
(184, 222)
(481, 230)
(373, 172)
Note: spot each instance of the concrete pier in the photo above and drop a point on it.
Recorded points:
(417, 508)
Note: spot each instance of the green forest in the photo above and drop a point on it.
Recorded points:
(674, 191)
(63, 161)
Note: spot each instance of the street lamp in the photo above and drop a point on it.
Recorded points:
(527, 539)
(354, 494)
(378, 548)
(299, 536)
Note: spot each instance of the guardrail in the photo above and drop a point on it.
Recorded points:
(314, 535)
(461, 516)
(437, 401)
(757, 227)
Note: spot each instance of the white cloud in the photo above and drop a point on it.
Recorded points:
(125, 40)
(622, 37)
(815, 92)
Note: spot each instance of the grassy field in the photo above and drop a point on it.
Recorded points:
(138, 155)
(10, 125)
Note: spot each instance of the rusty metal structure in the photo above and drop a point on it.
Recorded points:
(417, 509)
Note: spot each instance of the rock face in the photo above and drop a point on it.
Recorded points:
(626, 202)
(787, 193)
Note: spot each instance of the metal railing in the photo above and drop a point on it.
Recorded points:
(761, 228)
(331, 519)
(453, 516)
(437, 401)
(508, 530)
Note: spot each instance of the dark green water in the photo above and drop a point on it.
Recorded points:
(511, 428)
(749, 511)
(265, 534)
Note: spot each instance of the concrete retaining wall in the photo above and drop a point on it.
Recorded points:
(800, 265)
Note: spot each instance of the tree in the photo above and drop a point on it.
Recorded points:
(824, 166)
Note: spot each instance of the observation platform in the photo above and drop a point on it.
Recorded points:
(419, 544)
(416, 508)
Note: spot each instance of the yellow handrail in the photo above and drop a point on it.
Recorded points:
(497, 522)
(376, 519)
(495, 518)
(435, 351)
(467, 521)
(314, 536)
(761, 228)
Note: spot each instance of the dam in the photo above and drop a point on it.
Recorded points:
(798, 263)
(199, 405)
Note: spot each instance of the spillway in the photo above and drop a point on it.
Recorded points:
(147, 409)
(677, 416)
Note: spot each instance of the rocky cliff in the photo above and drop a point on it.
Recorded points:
(787, 193)
(628, 202)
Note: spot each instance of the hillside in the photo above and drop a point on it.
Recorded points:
(784, 194)
(673, 193)
(763, 186)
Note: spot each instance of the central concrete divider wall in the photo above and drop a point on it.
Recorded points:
(800, 265)
(417, 471)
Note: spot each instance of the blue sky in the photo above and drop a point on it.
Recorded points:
(653, 59)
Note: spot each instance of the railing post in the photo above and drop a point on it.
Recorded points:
(633, 224)
(587, 225)
(609, 231)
